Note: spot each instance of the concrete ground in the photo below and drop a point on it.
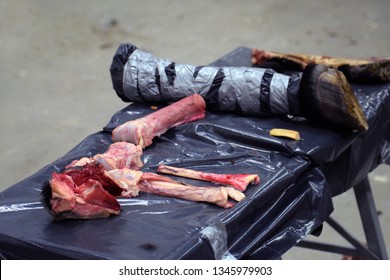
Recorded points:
(55, 87)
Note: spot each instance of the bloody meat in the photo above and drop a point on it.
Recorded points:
(86, 201)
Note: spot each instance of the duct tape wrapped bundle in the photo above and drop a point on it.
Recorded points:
(139, 76)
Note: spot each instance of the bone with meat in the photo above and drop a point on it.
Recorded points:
(88, 199)
(88, 188)
(237, 181)
(158, 184)
(119, 155)
(216, 195)
(141, 131)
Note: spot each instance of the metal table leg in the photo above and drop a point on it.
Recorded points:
(376, 247)
(369, 217)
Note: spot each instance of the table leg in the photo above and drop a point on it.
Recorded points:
(376, 247)
(369, 218)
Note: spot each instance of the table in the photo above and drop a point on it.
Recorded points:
(293, 199)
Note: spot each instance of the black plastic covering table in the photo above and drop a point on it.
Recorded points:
(294, 198)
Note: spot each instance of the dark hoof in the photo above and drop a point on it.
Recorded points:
(326, 96)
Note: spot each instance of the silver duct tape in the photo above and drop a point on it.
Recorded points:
(147, 86)
(278, 96)
(204, 79)
(148, 78)
(140, 83)
(130, 78)
(182, 85)
(241, 86)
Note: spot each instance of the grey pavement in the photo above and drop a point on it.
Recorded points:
(55, 87)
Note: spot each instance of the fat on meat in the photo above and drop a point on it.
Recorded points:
(119, 155)
(127, 179)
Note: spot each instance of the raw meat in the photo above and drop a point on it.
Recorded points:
(88, 188)
(127, 179)
(92, 171)
(141, 131)
(237, 181)
(87, 201)
(119, 155)
(80, 197)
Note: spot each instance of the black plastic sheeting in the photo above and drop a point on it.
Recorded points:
(293, 199)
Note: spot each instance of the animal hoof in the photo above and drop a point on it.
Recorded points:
(326, 96)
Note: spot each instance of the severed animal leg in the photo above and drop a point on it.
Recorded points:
(250, 91)
(374, 69)
(237, 181)
(141, 131)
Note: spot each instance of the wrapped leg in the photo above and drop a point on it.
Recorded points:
(141, 77)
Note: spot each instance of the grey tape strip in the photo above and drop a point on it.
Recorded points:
(183, 81)
(278, 97)
(217, 237)
(146, 78)
(241, 88)
(130, 77)
(204, 79)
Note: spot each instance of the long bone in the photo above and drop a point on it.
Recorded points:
(237, 181)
